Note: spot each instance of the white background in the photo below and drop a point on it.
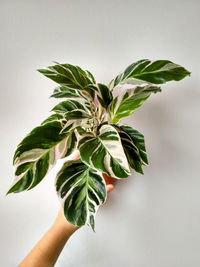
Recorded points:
(148, 221)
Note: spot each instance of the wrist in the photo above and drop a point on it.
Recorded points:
(62, 223)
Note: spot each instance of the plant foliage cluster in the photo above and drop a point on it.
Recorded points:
(88, 119)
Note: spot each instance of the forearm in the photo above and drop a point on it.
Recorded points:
(46, 251)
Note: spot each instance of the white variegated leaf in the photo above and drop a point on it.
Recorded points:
(55, 117)
(81, 191)
(38, 152)
(157, 72)
(70, 105)
(74, 123)
(65, 92)
(104, 152)
(134, 146)
(70, 76)
(127, 102)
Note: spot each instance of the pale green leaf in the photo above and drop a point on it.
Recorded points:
(131, 100)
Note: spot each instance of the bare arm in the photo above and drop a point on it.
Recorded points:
(47, 250)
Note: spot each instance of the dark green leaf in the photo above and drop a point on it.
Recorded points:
(104, 152)
(68, 105)
(37, 154)
(65, 92)
(68, 75)
(91, 77)
(77, 114)
(54, 117)
(134, 147)
(81, 191)
(157, 72)
(105, 96)
(138, 139)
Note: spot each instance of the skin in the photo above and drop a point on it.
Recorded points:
(46, 252)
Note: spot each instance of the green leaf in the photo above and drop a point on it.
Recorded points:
(77, 114)
(81, 130)
(54, 117)
(65, 92)
(68, 105)
(74, 123)
(105, 96)
(104, 152)
(81, 191)
(68, 75)
(37, 154)
(90, 76)
(131, 100)
(157, 72)
(134, 147)
(138, 139)
(112, 108)
(77, 117)
(90, 89)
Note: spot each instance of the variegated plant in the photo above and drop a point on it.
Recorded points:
(88, 119)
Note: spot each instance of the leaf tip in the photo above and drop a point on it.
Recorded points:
(40, 70)
(56, 62)
(8, 192)
(93, 228)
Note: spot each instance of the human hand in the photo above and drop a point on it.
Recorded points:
(63, 223)
(48, 249)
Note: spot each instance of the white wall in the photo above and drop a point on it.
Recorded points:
(148, 221)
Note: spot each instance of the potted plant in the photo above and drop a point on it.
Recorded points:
(88, 120)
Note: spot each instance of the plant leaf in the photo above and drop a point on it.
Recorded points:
(77, 114)
(112, 108)
(76, 117)
(91, 89)
(90, 76)
(131, 100)
(64, 91)
(74, 123)
(105, 96)
(81, 191)
(37, 154)
(104, 152)
(157, 72)
(68, 75)
(138, 139)
(134, 147)
(81, 130)
(54, 117)
(68, 105)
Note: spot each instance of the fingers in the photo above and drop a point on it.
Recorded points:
(109, 187)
